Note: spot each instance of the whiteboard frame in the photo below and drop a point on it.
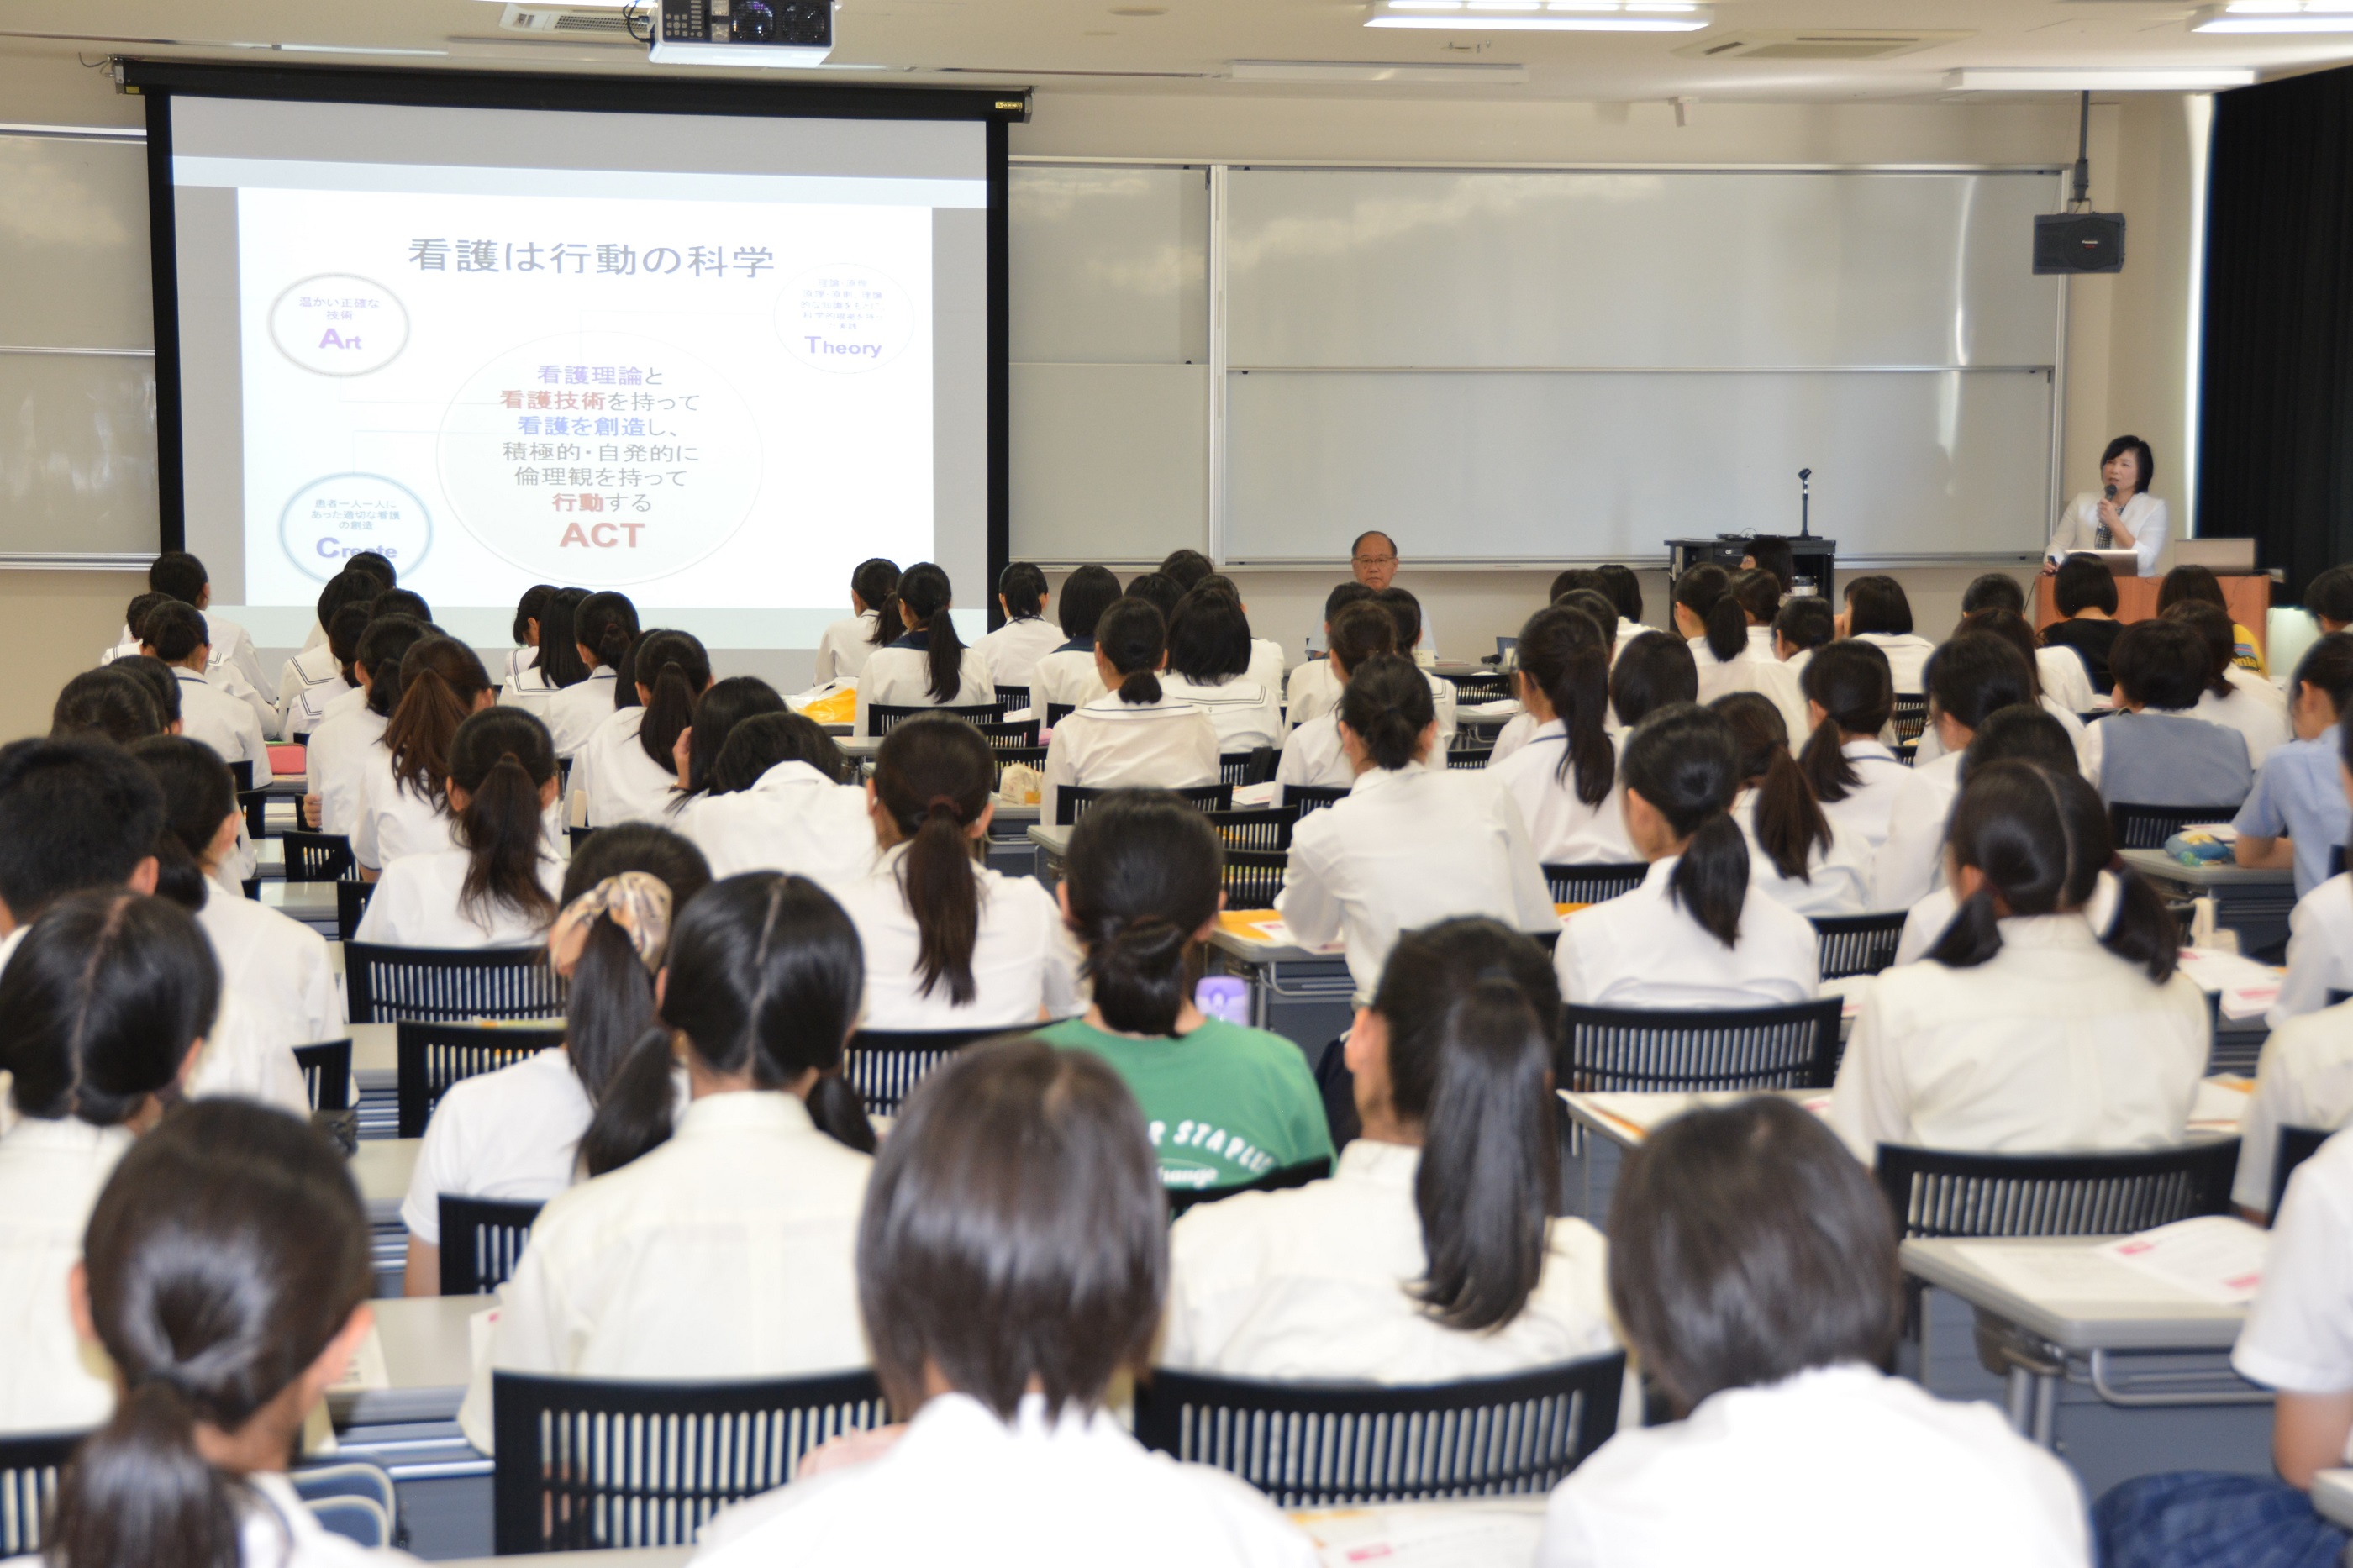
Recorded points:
(1220, 365)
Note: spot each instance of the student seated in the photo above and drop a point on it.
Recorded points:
(107, 703)
(2011, 627)
(1849, 699)
(628, 768)
(1878, 612)
(558, 666)
(1225, 1104)
(2329, 599)
(2027, 1030)
(1752, 1268)
(1696, 594)
(928, 665)
(845, 646)
(1406, 611)
(1969, 679)
(1625, 590)
(604, 628)
(2320, 929)
(1740, 636)
(1430, 1256)
(1066, 675)
(1014, 649)
(403, 807)
(2155, 751)
(1564, 778)
(1691, 935)
(225, 1278)
(174, 634)
(723, 706)
(496, 885)
(342, 750)
(1266, 660)
(1801, 626)
(104, 1006)
(2017, 734)
(2296, 813)
(1209, 656)
(233, 663)
(529, 608)
(317, 675)
(2084, 591)
(2199, 586)
(778, 802)
(2058, 671)
(1137, 733)
(2243, 701)
(1410, 844)
(643, 1272)
(1313, 689)
(1795, 857)
(526, 1132)
(2303, 1079)
(950, 943)
(1011, 1265)
(1313, 754)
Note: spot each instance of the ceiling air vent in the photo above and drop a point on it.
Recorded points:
(605, 23)
(1816, 44)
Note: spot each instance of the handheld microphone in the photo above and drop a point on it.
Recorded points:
(2112, 492)
(2103, 536)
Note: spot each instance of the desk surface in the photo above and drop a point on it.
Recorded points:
(428, 1357)
(381, 1168)
(2143, 1314)
(375, 1048)
(1626, 1119)
(1054, 839)
(303, 900)
(2157, 863)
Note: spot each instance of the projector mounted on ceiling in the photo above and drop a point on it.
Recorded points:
(742, 32)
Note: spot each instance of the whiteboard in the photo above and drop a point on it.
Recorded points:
(1539, 366)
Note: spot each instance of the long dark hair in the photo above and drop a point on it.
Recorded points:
(2040, 838)
(721, 708)
(1682, 761)
(2012, 628)
(109, 701)
(1653, 671)
(440, 681)
(1749, 598)
(1388, 704)
(926, 593)
(876, 581)
(674, 670)
(224, 1256)
(381, 648)
(560, 663)
(2217, 630)
(102, 1002)
(1789, 821)
(502, 758)
(1877, 605)
(529, 608)
(1566, 655)
(766, 979)
(1210, 637)
(199, 794)
(1360, 630)
(1855, 686)
(1023, 588)
(767, 741)
(1086, 593)
(934, 777)
(1131, 635)
(1468, 1006)
(612, 1034)
(606, 625)
(1699, 591)
(1143, 873)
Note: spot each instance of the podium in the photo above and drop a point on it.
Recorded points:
(1814, 557)
(2249, 598)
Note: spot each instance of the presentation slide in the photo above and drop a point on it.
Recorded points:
(713, 364)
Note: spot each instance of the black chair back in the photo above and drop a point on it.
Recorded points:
(1012, 698)
(579, 836)
(585, 1465)
(2149, 826)
(1594, 882)
(326, 1074)
(1006, 756)
(254, 804)
(1334, 1445)
(1639, 1048)
(1467, 759)
(1012, 735)
(351, 902)
(1943, 1193)
(242, 775)
(1858, 944)
(318, 858)
(2297, 1144)
(1487, 686)
(885, 717)
(433, 1055)
(1264, 828)
(1911, 716)
(29, 1465)
(1074, 799)
(1252, 878)
(1280, 1179)
(1254, 766)
(481, 1239)
(389, 984)
(885, 1065)
(1058, 711)
(1305, 798)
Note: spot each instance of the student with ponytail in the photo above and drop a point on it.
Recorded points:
(723, 706)
(105, 1004)
(1715, 630)
(842, 651)
(1849, 699)
(2027, 1030)
(314, 677)
(604, 630)
(1563, 777)
(925, 664)
(1410, 844)
(1970, 678)
(1801, 626)
(1795, 857)
(523, 1133)
(1067, 674)
(1140, 890)
(1430, 1256)
(2011, 627)
(779, 802)
(949, 944)
(1137, 733)
(558, 665)
(495, 886)
(341, 748)
(1014, 649)
(527, 630)
(727, 1250)
(1748, 608)
(1313, 754)
(402, 807)
(225, 1278)
(628, 769)
(1690, 936)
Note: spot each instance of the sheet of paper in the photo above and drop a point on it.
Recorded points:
(2214, 970)
(1850, 990)
(1275, 933)
(1457, 1535)
(2057, 1275)
(2214, 1258)
(367, 1368)
(1254, 797)
(2220, 1101)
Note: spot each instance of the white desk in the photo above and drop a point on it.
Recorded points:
(2255, 904)
(428, 1356)
(313, 903)
(2332, 1497)
(410, 1426)
(381, 1168)
(1611, 1125)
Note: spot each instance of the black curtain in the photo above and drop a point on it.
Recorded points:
(2276, 438)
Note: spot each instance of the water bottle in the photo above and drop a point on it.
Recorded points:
(1223, 996)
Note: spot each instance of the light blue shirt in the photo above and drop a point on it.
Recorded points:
(2298, 795)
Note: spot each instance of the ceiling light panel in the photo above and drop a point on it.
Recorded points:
(2274, 17)
(1543, 16)
(2187, 79)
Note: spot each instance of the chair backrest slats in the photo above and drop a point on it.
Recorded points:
(1594, 882)
(1858, 944)
(1945, 1192)
(29, 1465)
(389, 984)
(2297, 1144)
(481, 1240)
(1614, 1048)
(432, 1055)
(318, 858)
(326, 1074)
(1074, 799)
(885, 1065)
(2139, 826)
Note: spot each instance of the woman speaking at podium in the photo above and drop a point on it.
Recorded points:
(2124, 516)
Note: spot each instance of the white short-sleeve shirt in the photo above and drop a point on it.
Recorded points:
(1111, 743)
(1837, 880)
(1562, 827)
(513, 1135)
(51, 1172)
(573, 712)
(622, 784)
(793, 819)
(1014, 649)
(1912, 861)
(1313, 756)
(1246, 714)
(900, 676)
(843, 649)
(221, 721)
(2319, 950)
(2299, 1333)
(1643, 949)
(2303, 1079)
(1865, 813)
(1908, 658)
(1066, 677)
(1024, 964)
(1313, 690)
(416, 904)
(394, 821)
(278, 968)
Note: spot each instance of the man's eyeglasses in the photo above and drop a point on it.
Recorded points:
(1375, 560)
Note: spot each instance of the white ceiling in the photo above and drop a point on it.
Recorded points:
(1187, 45)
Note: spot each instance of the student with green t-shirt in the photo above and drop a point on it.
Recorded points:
(1225, 1105)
